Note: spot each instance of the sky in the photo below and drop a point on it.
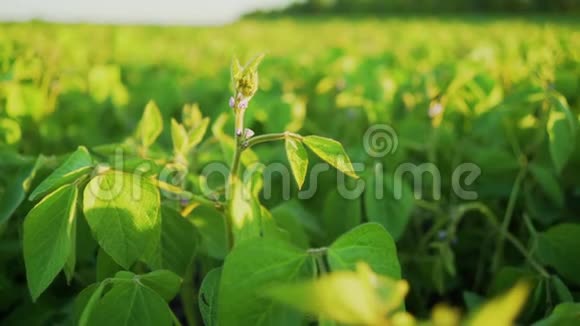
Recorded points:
(195, 12)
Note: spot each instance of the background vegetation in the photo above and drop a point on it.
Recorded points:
(510, 92)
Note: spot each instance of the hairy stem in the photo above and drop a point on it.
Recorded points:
(234, 169)
(270, 137)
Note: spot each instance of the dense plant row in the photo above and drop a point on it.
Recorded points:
(127, 213)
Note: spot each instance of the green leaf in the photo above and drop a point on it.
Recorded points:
(332, 152)
(359, 298)
(179, 137)
(288, 216)
(252, 266)
(164, 282)
(196, 135)
(88, 301)
(235, 68)
(370, 243)
(208, 296)
(179, 241)
(177, 244)
(151, 125)
(76, 165)
(123, 213)
(388, 205)
(19, 184)
(561, 290)
(340, 214)
(565, 314)
(48, 238)
(130, 304)
(548, 182)
(210, 224)
(298, 159)
(561, 129)
(106, 266)
(81, 302)
(557, 246)
(253, 64)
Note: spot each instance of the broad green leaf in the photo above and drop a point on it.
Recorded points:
(340, 214)
(179, 241)
(88, 301)
(502, 310)
(389, 204)
(208, 297)
(164, 282)
(288, 216)
(19, 184)
(82, 300)
(179, 137)
(151, 125)
(370, 243)
(548, 182)
(251, 267)
(298, 158)
(210, 224)
(557, 246)
(106, 266)
(565, 314)
(177, 244)
(359, 298)
(76, 165)
(196, 135)
(48, 238)
(561, 129)
(123, 213)
(128, 303)
(562, 293)
(332, 152)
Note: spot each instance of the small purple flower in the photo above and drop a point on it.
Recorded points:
(232, 102)
(184, 202)
(243, 104)
(248, 133)
(435, 109)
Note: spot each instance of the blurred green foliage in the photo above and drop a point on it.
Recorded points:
(509, 91)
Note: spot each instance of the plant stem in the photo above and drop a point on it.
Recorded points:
(492, 219)
(508, 216)
(318, 254)
(234, 168)
(270, 137)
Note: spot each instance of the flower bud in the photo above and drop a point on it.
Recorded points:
(243, 104)
(248, 133)
(232, 102)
